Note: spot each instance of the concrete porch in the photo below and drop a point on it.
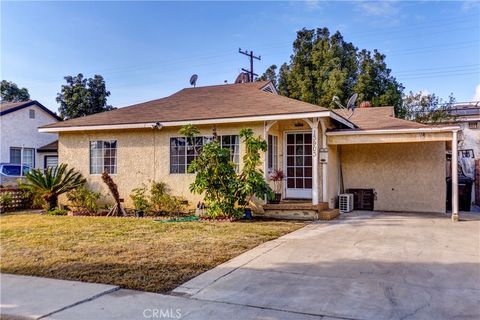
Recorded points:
(299, 210)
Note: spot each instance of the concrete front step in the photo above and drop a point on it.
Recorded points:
(296, 206)
(294, 210)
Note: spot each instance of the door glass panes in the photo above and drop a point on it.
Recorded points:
(299, 160)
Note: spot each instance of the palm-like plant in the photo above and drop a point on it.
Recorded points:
(53, 182)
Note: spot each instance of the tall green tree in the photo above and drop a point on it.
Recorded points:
(324, 65)
(375, 82)
(270, 75)
(10, 92)
(82, 97)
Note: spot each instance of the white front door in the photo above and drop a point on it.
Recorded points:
(298, 164)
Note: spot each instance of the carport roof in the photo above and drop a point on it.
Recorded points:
(377, 118)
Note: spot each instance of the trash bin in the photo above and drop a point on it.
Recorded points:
(464, 193)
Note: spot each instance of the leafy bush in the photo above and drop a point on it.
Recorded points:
(31, 199)
(226, 192)
(161, 201)
(57, 212)
(6, 199)
(84, 199)
(52, 182)
(140, 200)
(158, 201)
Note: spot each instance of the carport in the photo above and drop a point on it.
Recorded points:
(405, 167)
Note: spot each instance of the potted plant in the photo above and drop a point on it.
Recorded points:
(277, 177)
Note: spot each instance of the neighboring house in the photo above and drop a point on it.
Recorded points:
(467, 115)
(322, 152)
(20, 138)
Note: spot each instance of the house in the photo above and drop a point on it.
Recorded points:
(399, 164)
(467, 116)
(20, 139)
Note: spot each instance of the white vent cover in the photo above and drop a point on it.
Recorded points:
(345, 202)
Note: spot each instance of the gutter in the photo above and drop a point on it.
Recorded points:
(288, 116)
(393, 131)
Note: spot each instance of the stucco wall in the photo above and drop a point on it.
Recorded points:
(18, 130)
(405, 176)
(143, 156)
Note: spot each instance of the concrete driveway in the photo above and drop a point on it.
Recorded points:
(362, 266)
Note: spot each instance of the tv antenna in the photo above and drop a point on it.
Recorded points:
(193, 80)
(251, 56)
(350, 104)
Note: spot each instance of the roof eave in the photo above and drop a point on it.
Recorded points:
(287, 116)
(393, 131)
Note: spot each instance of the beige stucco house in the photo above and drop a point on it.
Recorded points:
(322, 152)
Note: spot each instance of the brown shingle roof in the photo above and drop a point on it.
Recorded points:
(375, 118)
(51, 147)
(201, 103)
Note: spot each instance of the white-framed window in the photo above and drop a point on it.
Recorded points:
(473, 125)
(272, 153)
(232, 142)
(15, 155)
(28, 156)
(103, 156)
(184, 150)
(31, 113)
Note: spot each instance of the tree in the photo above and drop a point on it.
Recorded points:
(424, 108)
(270, 75)
(52, 182)
(82, 97)
(226, 191)
(10, 92)
(324, 65)
(375, 83)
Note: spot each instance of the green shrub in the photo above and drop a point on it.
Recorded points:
(6, 199)
(57, 212)
(84, 199)
(159, 201)
(140, 200)
(226, 192)
(52, 182)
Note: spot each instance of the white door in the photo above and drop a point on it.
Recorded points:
(298, 162)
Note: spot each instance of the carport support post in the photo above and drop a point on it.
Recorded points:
(455, 176)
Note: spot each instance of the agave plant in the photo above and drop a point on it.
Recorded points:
(53, 182)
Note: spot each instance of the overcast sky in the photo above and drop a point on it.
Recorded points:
(147, 50)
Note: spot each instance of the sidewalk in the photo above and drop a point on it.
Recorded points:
(25, 297)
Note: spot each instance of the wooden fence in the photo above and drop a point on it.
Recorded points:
(11, 199)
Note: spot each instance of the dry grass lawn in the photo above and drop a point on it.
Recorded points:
(132, 253)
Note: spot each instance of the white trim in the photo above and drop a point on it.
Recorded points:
(387, 131)
(454, 176)
(295, 193)
(287, 116)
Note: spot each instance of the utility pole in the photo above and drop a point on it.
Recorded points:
(251, 56)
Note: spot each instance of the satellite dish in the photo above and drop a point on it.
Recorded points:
(193, 80)
(350, 104)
